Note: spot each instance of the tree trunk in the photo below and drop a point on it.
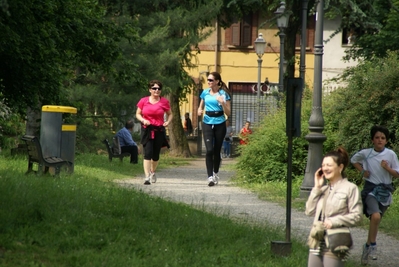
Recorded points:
(177, 139)
(33, 116)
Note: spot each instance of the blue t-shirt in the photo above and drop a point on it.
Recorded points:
(211, 104)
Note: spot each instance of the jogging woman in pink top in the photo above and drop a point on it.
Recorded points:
(151, 111)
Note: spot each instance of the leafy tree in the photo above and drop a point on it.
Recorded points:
(373, 22)
(370, 98)
(116, 90)
(171, 31)
(46, 45)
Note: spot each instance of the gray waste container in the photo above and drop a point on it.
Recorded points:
(57, 138)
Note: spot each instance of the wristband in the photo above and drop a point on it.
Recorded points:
(362, 172)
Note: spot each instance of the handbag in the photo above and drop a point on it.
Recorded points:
(338, 240)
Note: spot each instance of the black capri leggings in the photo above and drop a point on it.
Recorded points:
(213, 139)
(153, 146)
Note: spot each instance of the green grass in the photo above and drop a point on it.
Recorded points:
(85, 219)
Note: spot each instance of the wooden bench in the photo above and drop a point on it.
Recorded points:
(114, 151)
(35, 155)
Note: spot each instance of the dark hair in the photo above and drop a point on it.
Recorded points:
(222, 85)
(129, 124)
(340, 156)
(153, 82)
(379, 128)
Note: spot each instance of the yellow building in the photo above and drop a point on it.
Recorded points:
(231, 52)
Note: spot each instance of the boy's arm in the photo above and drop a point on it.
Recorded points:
(392, 172)
(363, 172)
(358, 166)
(355, 160)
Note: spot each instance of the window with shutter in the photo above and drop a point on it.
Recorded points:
(235, 34)
(246, 27)
(241, 32)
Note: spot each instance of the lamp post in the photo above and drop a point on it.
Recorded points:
(302, 62)
(282, 23)
(260, 45)
(284, 247)
(316, 121)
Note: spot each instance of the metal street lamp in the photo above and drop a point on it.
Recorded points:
(302, 63)
(316, 121)
(284, 247)
(260, 45)
(282, 24)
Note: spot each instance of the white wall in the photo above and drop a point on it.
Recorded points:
(334, 51)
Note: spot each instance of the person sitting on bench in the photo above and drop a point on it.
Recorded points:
(126, 141)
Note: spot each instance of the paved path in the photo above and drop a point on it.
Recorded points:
(188, 184)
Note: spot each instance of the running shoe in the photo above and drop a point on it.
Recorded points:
(211, 181)
(216, 178)
(373, 252)
(153, 177)
(365, 255)
(147, 180)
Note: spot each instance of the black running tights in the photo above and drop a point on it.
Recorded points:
(213, 138)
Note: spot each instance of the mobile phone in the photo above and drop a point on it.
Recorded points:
(321, 172)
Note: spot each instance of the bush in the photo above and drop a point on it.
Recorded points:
(265, 157)
(369, 99)
(11, 127)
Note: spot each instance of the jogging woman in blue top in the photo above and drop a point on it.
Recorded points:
(216, 101)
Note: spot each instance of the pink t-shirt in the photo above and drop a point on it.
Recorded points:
(154, 112)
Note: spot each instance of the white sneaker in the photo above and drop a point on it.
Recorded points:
(373, 252)
(365, 255)
(211, 181)
(216, 178)
(147, 180)
(153, 177)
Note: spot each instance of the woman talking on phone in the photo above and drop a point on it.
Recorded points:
(344, 208)
(216, 102)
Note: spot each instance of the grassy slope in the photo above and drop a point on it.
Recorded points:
(86, 220)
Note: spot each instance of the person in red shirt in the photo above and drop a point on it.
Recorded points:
(245, 131)
(151, 111)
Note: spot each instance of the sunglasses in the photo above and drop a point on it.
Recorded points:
(210, 80)
(156, 88)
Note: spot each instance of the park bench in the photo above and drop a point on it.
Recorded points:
(35, 155)
(114, 151)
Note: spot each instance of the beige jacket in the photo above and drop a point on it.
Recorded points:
(343, 207)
